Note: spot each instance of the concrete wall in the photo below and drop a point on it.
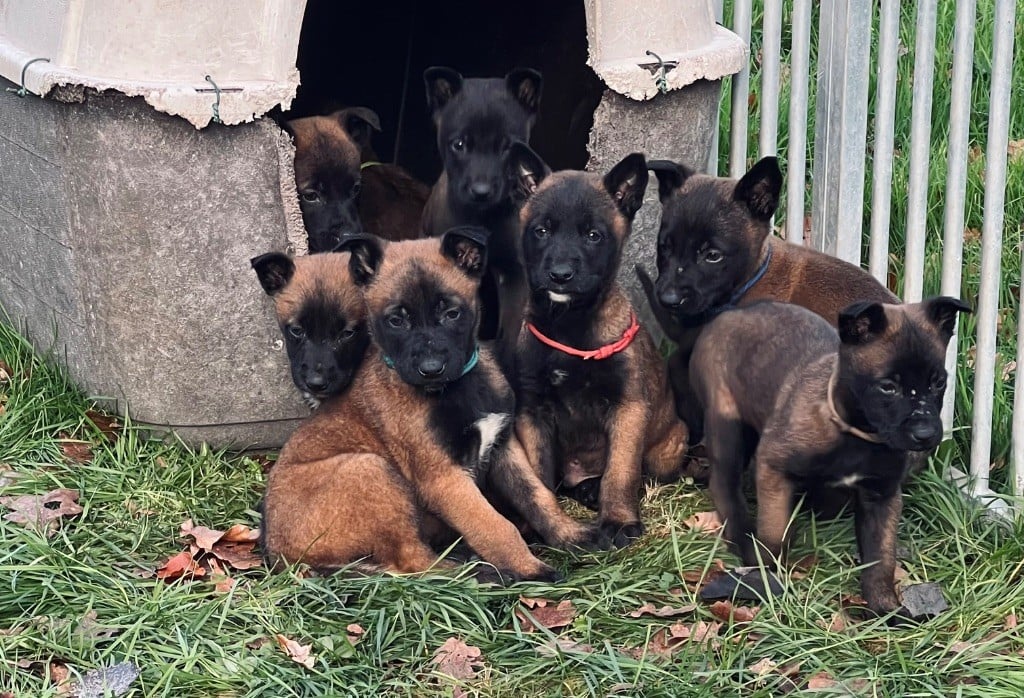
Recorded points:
(126, 237)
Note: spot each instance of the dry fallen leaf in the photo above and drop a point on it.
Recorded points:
(300, 654)
(724, 610)
(649, 609)
(240, 533)
(820, 681)
(553, 646)
(762, 667)
(704, 522)
(42, 512)
(1010, 622)
(542, 613)
(107, 424)
(5, 371)
(180, 565)
(457, 660)
(802, 566)
(241, 556)
(354, 632)
(75, 450)
(700, 577)
(1015, 149)
(88, 628)
(204, 537)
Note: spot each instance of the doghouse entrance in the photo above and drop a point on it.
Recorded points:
(374, 54)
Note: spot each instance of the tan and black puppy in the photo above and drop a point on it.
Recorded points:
(593, 397)
(716, 251)
(425, 426)
(343, 190)
(830, 415)
(322, 317)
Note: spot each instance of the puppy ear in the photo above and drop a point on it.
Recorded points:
(442, 84)
(287, 127)
(274, 270)
(627, 183)
(671, 176)
(525, 85)
(759, 189)
(862, 322)
(526, 170)
(359, 123)
(466, 245)
(367, 252)
(942, 311)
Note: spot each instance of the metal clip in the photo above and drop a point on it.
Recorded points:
(22, 91)
(216, 105)
(659, 80)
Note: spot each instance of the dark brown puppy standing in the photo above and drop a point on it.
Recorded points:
(833, 416)
(716, 251)
(322, 318)
(593, 399)
(343, 190)
(426, 424)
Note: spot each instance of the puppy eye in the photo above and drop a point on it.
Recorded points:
(541, 232)
(458, 145)
(347, 334)
(594, 236)
(452, 314)
(356, 188)
(939, 382)
(713, 256)
(310, 196)
(396, 320)
(296, 331)
(888, 387)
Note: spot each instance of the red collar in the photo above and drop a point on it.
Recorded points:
(600, 353)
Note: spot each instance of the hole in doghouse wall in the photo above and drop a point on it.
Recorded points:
(373, 54)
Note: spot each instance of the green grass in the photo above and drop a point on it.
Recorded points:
(192, 641)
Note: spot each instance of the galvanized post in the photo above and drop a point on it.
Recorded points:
(741, 19)
(796, 166)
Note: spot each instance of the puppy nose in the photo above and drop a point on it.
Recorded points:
(673, 297)
(480, 190)
(431, 368)
(561, 273)
(316, 380)
(923, 431)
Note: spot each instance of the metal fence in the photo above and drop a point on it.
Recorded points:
(838, 153)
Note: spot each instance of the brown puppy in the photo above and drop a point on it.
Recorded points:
(593, 398)
(426, 424)
(322, 318)
(343, 190)
(833, 416)
(716, 251)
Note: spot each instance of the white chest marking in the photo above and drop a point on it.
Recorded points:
(849, 480)
(559, 297)
(490, 428)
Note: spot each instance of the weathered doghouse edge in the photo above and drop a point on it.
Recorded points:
(126, 237)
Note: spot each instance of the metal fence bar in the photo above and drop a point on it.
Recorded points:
(799, 67)
(991, 250)
(956, 183)
(841, 129)
(885, 117)
(920, 135)
(741, 20)
(771, 57)
(712, 169)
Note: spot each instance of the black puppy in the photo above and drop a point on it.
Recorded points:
(592, 396)
(833, 416)
(477, 121)
(322, 318)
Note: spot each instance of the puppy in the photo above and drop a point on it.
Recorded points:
(593, 399)
(322, 317)
(343, 189)
(716, 251)
(477, 122)
(833, 416)
(426, 424)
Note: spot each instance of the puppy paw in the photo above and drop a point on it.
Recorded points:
(587, 493)
(589, 539)
(545, 573)
(622, 534)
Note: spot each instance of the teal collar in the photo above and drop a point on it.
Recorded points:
(369, 163)
(390, 363)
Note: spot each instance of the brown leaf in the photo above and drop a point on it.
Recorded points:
(300, 654)
(852, 600)
(1015, 149)
(75, 450)
(802, 566)
(554, 646)
(704, 522)
(649, 609)
(42, 512)
(241, 556)
(762, 667)
(724, 610)
(820, 681)
(180, 565)
(8, 477)
(88, 628)
(240, 533)
(105, 423)
(258, 643)
(204, 537)
(546, 615)
(1010, 622)
(7, 694)
(5, 371)
(60, 675)
(457, 660)
(664, 642)
(972, 235)
(700, 577)
(354, 632)
(838, 623)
